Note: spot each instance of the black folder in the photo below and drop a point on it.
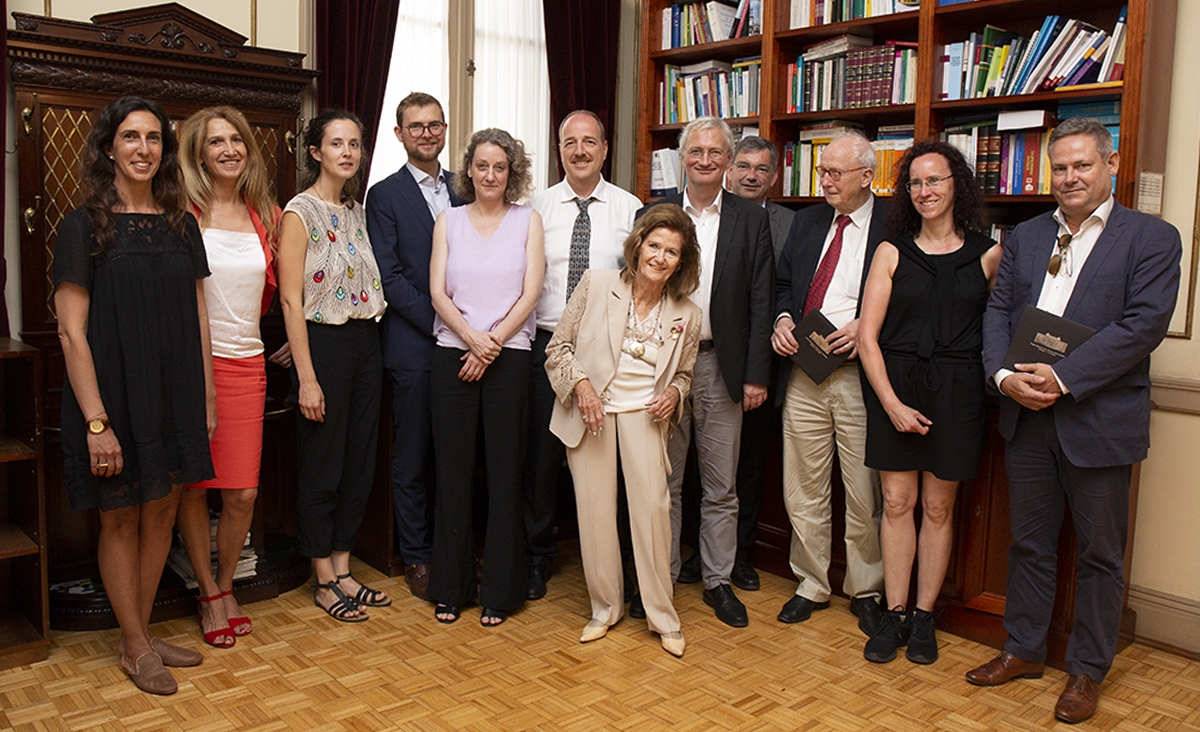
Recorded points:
(815, 356)
(1044, 338)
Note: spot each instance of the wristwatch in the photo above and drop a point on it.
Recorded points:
(97, 425)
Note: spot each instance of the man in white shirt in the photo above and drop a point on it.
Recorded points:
(824, 266)
(1075, 429)
(401, 210)
(586, 220)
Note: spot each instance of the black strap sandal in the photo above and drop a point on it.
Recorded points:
(497, 616)
(341, 609)
(452, 610)
(366, 596)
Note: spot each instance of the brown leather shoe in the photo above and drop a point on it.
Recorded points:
(1003, 669)
(1078, 700)
(175, 655)
(417, 577)
(149, 674)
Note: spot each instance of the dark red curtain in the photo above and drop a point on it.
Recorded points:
(354, 47)
(581, 55)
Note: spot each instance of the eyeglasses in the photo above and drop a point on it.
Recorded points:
(416, 129)
(744, 168)
(834, 174)
(697, 153)
(933, 183)
(1056, 261)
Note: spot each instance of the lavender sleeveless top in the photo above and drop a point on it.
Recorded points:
(484, 277)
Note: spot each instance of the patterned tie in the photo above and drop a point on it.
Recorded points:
(581, 239)
(824, 275)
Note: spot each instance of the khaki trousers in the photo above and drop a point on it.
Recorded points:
(594, 472)
(817, 420)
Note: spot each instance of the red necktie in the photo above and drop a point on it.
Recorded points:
(824, 275)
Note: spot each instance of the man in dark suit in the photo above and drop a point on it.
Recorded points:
(824, 267)
(734, 365)
(1075, 429)
(401, 210)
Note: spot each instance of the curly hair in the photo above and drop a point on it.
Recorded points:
(253, 183)
(968, 196)
(314, 135)
(686, 277)
(101, 199)
(520, 180)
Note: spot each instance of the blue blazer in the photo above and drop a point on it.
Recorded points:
(401, 231)
(802, 254)
(1126, 290)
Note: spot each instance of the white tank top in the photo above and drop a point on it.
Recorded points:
(234, 292)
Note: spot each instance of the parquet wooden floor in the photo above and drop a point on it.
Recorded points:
(401, 670)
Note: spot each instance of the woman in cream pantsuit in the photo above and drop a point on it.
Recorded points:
(621, 363)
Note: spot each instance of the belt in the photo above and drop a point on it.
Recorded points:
(706, 345)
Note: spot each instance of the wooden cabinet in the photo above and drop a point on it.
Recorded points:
(24, 614)
(972, 601)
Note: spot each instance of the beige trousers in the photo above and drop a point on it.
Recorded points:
(594, 472)
(817, 420)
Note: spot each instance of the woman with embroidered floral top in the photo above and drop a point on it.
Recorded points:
(332, 301)
(621, 363)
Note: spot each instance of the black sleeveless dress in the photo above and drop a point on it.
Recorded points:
(932, 343)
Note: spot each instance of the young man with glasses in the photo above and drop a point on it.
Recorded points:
(401, 210)
(733, 367)
(586, 220)
(824, 266)
(1074, 430)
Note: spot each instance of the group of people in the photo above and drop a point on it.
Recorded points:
(589, 328)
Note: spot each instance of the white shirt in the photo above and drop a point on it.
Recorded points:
(233, 294)
(1057, 289)
(841, 299)
(708, 223)
(611, 214)
(433, 187)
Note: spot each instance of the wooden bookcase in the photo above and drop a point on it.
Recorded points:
(973, 595)
(24, 612)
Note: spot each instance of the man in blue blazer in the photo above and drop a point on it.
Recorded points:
(1074, 430)
(821, 420)
(401, 210)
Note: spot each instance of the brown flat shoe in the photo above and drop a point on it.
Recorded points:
(417, 577)
(175, 655)
(1003, 669)
(1078, 700)
(150, 675)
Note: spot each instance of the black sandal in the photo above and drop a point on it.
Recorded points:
(452, 610)
(489, 614)
(341, 609)
(366, 596)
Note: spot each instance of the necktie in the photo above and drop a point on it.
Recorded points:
(824, 275)
(581, 239)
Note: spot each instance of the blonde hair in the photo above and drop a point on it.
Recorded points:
(253, 183)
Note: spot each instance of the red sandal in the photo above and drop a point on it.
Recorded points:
(215, 638)
(241, 625)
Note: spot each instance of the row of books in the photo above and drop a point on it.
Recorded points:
(1063, 53)
(694, 23)
(710, 88)
(177, 558)
(801, 157)
(848, 73)
(806, 13)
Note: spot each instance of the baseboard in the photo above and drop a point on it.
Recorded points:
(1173, 394)
(1167, 620)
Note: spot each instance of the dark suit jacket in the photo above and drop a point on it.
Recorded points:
(401, 231)
(1126, 291)
(801, 256)
(740, 308)
(781, 223)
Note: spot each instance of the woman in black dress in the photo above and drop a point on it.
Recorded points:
(921, 341)
(138, 404)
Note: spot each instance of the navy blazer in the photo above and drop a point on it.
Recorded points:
(740, 308)
(802, 254)
(401, 231)
(1127, 291)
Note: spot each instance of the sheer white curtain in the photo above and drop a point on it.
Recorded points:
(512, 85)
(420, 62)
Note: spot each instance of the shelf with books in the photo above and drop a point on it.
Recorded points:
(710, 88)
(897, 24)
(869, 116)
(676, 127)
(730, 49)
(1029, 101)
(707, 21)
(979, 12)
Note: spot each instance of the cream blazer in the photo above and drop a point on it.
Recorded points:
(587, 345)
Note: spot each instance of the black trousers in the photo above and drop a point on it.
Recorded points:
(1042, 483)
(337, 456)
(500, 402)
(412, 464)
(544, 462)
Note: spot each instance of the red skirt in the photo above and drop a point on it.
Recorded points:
(241, 385)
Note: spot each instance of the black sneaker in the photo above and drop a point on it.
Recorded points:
(889, 636)
(922, 641)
